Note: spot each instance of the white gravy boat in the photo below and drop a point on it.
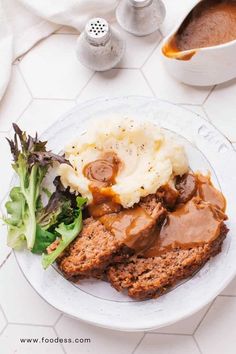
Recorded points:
(203, 66)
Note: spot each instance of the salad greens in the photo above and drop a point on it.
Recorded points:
(68, 232)
(30, 224)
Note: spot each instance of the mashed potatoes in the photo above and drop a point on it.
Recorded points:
(149, 159)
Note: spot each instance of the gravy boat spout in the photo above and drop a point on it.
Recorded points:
(203, 65)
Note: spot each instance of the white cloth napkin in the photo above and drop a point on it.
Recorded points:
(24, 22)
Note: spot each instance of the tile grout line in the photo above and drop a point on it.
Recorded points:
(6, 324)
(25, 82)
(199, 105)
(198, 346)
(4, 327)
(163, 36)
(147, 82)
(153, 50)
(58, 319)
(61, 345)
(204, 110)
(29, 324)
(5, 260)
(20, 116)
(125, 68)
(204, 316)
(171, 334)
(209, 93)
(230, 296)
(52, 99)
(64, 349)
(83, 88)
(138, 344)
(5, 316)
(205, 313)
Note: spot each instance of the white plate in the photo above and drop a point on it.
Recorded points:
(97, 302)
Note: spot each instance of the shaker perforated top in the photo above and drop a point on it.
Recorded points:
(97, 31)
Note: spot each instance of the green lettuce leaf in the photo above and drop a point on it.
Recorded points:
(31, 162)
(43, 239)
(68, 233)
(16, 228)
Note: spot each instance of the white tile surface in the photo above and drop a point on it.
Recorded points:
(41, 114)
(16, 304)
(186, 326)
(6, 161)
(10, 340)
(230, 289)
(4, 249)
(138, 49)
(166, 87)
(52, 70)
(16, 99)
(167, 344)
(105, 341)
(216, 334)
(3, 321)
(221, 108)
(115, 82)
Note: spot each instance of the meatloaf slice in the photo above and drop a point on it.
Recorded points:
(146, 278)
(96, 246)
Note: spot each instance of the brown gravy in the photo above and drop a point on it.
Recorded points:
(193, 223)
(102, 174)
(129, 225)
(196, 222)
(196, 210)
(210, 23)
(209, 193)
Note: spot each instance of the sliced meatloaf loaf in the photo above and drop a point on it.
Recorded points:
(99, 243)
(146, 278)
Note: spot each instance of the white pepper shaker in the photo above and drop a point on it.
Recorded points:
(140, 17)
(99, 47)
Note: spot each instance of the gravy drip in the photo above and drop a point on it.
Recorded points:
(102, 174)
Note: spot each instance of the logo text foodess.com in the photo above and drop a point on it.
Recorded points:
(55, 340)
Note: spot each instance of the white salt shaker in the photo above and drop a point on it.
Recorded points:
(140, 17)
(99, 47)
